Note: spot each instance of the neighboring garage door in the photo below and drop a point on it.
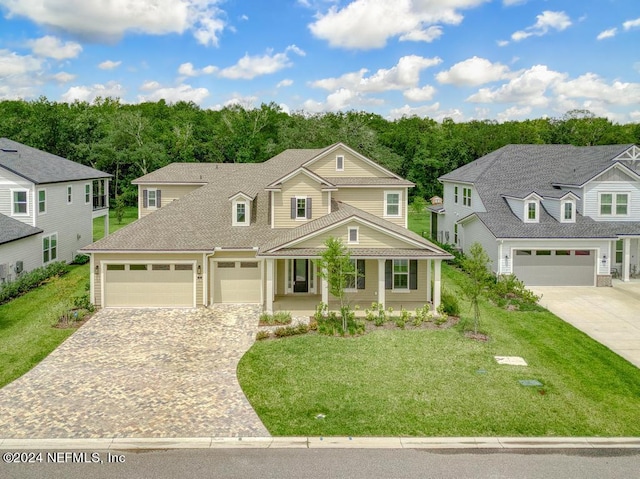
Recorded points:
(236, 282)
(555, 267)
(149, 285)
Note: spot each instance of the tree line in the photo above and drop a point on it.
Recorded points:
(130, 140)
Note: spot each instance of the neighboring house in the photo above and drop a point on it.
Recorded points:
(248, 233)
(47, 207)
(550, 214)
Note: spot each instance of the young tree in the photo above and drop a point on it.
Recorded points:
(418, 205)
(337, 269)
(476, 265)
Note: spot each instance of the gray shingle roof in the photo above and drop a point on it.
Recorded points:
(368, 181)
(518, 170)
(40, 167)
(12, 229)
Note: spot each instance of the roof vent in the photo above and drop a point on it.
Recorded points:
(9, 150)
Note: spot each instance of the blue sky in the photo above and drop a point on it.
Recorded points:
(464, 59)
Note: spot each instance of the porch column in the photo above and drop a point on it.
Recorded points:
(270, 288)
(428, 281)
(626, 266)
(324, 289)
(381, 283)
(106, 224)
(436, 284)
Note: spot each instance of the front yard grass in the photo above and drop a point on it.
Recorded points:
(27, 334)
(130, 215)
(440, 383)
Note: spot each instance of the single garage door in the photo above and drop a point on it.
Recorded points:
(149, 285)
(555, 267)
(236, 282)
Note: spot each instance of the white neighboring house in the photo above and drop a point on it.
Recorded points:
(47, 207)
(550, 214)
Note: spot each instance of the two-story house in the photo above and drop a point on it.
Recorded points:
(549, 214)
(249, 233)
(47, 207)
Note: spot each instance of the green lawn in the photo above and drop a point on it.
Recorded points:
(420, 223)
(27, 334)
(130, 215)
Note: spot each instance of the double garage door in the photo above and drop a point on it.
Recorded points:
(149, 285)
(555, 267)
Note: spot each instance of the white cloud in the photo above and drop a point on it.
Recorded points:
(629, 24)
(249, 67)
(52, 47)
(109, 65)
(420, 94)
(64, 77)
(365, 24)
(546, 21)
(187, 69)
(473, 72)
(110, 20)
(406, 74)
(284, 83)
(12, 64)
(502, 43)
(175, 94)
(428, 35)
(593, 87)
(88, 94)
(246, 102)
(610, 33)
(527, 88)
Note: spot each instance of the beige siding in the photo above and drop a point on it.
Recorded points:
(299, 185)
(368, 238)
(149, 259)
(280, 276)
(371, 200)
(234, 254)
(353, 166)
(169, 194)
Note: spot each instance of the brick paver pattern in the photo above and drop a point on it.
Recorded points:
(140, 373)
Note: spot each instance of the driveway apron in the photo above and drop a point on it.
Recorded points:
(140, 373)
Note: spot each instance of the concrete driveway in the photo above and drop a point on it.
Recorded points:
(611, 316)
(139, 373)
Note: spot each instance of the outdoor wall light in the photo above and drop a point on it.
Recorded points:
(199, 269)
(97, 269)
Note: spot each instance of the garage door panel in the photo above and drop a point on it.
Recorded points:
(236, 282)
(560, 268)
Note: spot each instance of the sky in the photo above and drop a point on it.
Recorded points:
(467, 60)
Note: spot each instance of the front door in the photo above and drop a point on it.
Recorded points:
(300, 276)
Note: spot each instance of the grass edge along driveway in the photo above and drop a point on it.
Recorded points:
(439, 383)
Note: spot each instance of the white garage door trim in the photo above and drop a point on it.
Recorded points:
(556, 268)
(248, 285)
(104, 283)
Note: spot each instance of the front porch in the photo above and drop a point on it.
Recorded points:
(305, 305)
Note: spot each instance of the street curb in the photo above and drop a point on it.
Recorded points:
(129, 443)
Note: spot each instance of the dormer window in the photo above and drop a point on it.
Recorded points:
(568, 211)
(340, 163)
(531, 211)
(241, 213)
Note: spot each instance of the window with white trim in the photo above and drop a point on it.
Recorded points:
(301, 208)
(455, 194)
(152, 199)
(339, 163)
(87, 193)
(568, 208)
(241, 213)
(69, 194)
(20, 202)
(619, 251)
(42, 202)
(401, 274)
(49, 248)
(392, 206)
(466, 196)
(531, 211)
(352, 236)
(614, 204)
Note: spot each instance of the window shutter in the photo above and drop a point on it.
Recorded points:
(360, 269)
(293, 207)
(388, 274)
(308, 208)
(145, 199)
(158, 198)
(413, 274)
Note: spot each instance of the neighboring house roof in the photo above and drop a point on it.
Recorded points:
(12, 229)
(368, 181)
(519, 170)
(41, 167)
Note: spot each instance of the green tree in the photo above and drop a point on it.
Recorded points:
(476, 265)
(418, 205)
(337, 269)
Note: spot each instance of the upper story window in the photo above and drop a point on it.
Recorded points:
(392, 206)
(87, 194)
(614, 204)
(151, 198)
(69, 194)
(339, 163)
(352, 237)
(455, 194)
(241, 213)
(42, 202)
(466, 196)
(20, 202)
(531, 211)
(300, 208)
(568, 211)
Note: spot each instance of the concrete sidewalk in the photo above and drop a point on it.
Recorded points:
(124, 443)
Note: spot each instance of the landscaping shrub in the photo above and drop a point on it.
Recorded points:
(81, 259)
(332, 325)
(280, 317)
(31, 280)
(449, 304)
(291, 330)
(507, 290)
(263, 335)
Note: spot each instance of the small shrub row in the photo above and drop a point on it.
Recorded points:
(507, 291)
(332, 325)
(280, 317)
(81, 259)
(31, 280)
(285, 331)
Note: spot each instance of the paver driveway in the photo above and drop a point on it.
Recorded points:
(139, 373)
